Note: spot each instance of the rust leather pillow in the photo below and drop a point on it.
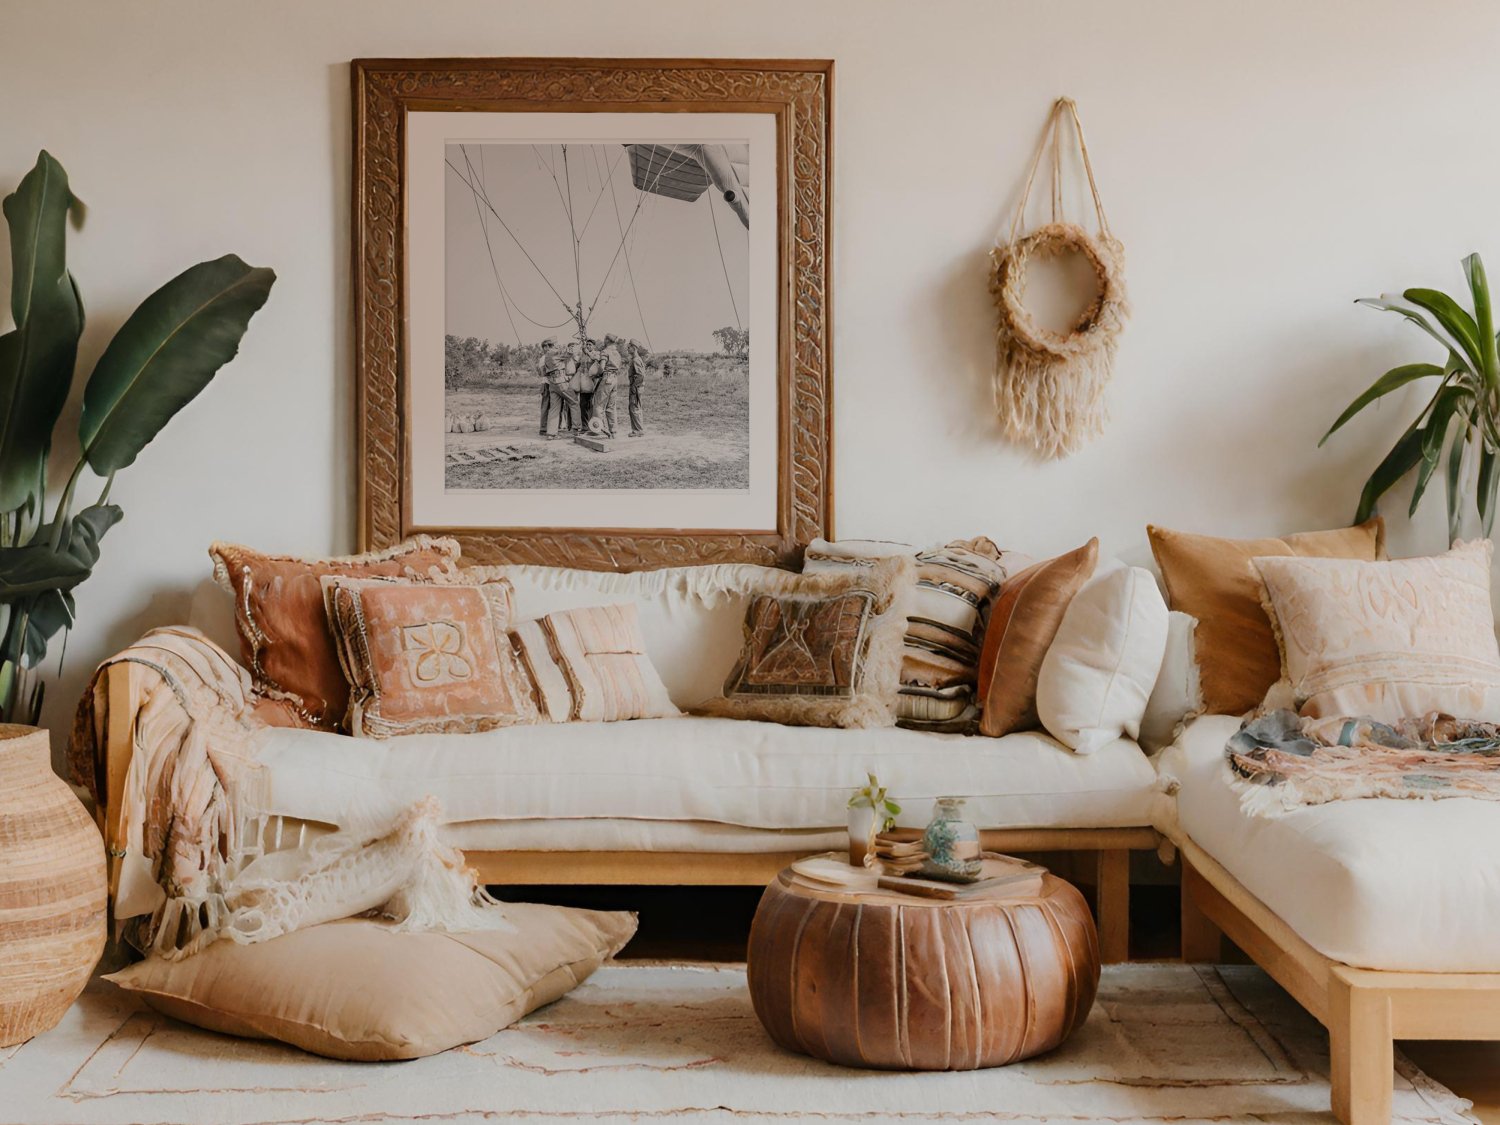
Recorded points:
(1215, 581)
(284, 635)
(427, 657)
(1023, 622)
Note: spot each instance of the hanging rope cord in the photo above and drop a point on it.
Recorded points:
(484, 227)
(644, 194)
(479, 193)
(733, 304)
(1052, 136)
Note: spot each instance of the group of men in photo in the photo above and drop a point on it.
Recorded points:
(579, 381)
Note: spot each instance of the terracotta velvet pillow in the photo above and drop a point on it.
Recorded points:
(284, 635)
(1215, 581)
(824, 649)
(1023, 622)
(427, 657)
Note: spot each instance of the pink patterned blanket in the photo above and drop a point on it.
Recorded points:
(1280, 761)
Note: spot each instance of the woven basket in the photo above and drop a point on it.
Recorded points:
(52, 889)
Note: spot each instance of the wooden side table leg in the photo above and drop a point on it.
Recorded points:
(1202, 941)
(1112, 886)
(1361, 1052)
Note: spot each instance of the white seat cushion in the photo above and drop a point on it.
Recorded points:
(729, 771)
(1379, 884)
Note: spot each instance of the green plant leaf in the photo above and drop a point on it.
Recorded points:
(1392, 380)
(1391, 302)
(1402, 458)
(37, 356)
(1488, 480)
(166, 353)
(1455, 475)
(1484, 316)
(35, 568)
(1455, 321)
(1445, 404)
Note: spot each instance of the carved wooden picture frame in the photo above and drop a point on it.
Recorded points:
(389, 95)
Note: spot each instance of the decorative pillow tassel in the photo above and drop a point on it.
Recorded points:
(1049, 386)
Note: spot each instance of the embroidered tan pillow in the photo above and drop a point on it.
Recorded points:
(1391, 640)
(284, 635)
(424, 657)
(1025, 619)
(1213, 580)
(590, 665)
(358, 990)
(824, 649)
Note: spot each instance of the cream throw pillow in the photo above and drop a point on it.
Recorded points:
(356, 990)
(590, 665)
(1390, 640)
(1098, 673)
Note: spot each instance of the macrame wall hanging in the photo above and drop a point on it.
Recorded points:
(1049, 386)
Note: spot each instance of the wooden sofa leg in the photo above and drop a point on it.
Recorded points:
(1361, 1052)
(1202, 941)
(1112, 886)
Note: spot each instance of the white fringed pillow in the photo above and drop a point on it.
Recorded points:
(1387, 640)
(1098, 673)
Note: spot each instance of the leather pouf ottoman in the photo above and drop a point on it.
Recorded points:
(889, 980)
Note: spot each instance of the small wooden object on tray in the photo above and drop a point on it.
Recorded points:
(1000, 874)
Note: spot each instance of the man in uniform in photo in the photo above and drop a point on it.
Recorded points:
(585, 363)
(610, 362)
(546, 364)
(635, 377)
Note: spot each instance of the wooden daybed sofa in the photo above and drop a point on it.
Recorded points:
(1379, 916)
(670, 801)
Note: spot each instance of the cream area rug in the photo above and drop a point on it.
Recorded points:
(646, 1042)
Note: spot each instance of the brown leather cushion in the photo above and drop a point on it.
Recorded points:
(357, 990)
(1022, 624)
(285, 640)
(1214, 580)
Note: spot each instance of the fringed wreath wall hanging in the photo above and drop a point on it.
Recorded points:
(1049, 386)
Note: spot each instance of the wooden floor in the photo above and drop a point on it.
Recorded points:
(713, 924)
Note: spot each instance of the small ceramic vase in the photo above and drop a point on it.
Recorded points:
(861, 832)
(951, 843)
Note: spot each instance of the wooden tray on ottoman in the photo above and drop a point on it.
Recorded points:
(882, 979)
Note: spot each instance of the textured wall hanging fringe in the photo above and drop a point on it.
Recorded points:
(1049, 386)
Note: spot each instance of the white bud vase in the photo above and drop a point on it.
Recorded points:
(861, 828)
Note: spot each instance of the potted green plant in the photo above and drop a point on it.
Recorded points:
(871, 811)
(164, 354)
(1457, 427)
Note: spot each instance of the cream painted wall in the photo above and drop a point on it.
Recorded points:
(1264, 164)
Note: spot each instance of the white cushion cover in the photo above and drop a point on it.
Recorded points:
(1101, 666)
(1379, 884)
(732, 771)
(1177, 694)
(691, 618)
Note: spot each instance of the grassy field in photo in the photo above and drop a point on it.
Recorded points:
(697, 432)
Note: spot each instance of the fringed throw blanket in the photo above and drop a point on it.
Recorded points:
(1281, 761)
(191, 842)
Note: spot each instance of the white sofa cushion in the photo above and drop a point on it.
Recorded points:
(691, 618)
(730, 771)
(1378, 884)
(1101, 665)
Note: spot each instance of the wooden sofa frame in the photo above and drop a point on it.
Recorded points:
(1111, 846)
(1364, 1010)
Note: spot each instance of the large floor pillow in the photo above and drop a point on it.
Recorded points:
(358, 990)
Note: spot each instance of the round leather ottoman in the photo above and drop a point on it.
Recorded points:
(883, 979)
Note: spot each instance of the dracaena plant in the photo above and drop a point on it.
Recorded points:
(1457, 427)
(163, 355)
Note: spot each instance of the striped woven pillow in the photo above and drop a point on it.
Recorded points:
(955, 585)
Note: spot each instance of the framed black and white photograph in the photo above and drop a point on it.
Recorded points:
(597, 351)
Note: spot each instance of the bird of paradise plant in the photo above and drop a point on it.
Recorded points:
(162, 356)
(1458, 426)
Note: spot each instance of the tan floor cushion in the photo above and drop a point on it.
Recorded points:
(358, 990)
